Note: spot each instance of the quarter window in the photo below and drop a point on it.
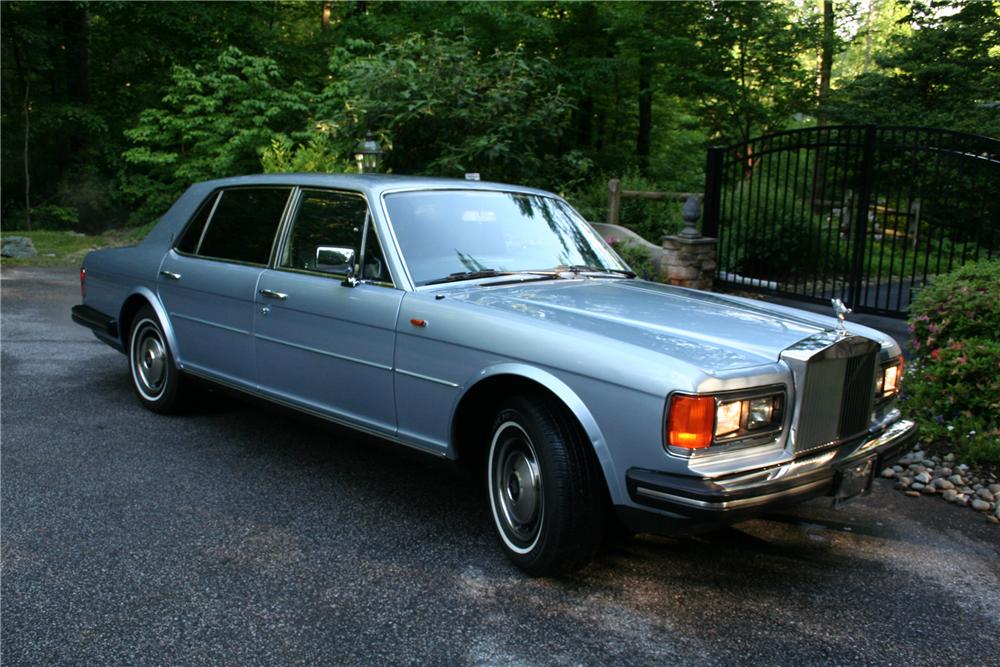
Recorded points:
(243, 226)
(192, 235)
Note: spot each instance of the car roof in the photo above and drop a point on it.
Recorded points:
(374, 184)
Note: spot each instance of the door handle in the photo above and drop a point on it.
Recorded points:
(171, 275)
(271, 294)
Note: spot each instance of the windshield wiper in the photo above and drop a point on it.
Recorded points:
(468, 275)
(583, 268)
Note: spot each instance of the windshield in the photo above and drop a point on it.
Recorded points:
(448, 232)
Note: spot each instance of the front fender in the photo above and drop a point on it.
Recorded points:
(575, 405)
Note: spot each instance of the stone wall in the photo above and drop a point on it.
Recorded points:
(688, 262)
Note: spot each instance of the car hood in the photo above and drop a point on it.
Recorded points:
(706, 330)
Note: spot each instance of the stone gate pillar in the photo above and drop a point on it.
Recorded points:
(689, 257)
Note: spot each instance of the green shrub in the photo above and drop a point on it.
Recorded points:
(954, 383)
(637, 257)
(649, 219)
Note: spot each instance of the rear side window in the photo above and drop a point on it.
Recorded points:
(244, 223)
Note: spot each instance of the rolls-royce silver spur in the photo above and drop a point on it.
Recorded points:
(490, 325)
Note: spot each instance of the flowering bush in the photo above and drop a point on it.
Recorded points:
(954, 383)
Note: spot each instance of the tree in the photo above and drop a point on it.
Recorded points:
(214, 121)
(944, 73)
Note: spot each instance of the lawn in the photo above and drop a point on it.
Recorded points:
(65, 248)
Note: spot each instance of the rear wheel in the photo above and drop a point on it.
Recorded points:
(545, 488)
(155, 377)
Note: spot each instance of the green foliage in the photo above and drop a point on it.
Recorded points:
(315, 155)
(446, 107)
(650, 219)
(954, 382)
(749, 76)
(783, 236)
(637, 257)
(944, 74)
(215, 121)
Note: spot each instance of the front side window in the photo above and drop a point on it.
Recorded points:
(244, 224)
(327, 235)
(448, 232)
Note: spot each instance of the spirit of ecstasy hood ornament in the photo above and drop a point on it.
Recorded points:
(841, 311)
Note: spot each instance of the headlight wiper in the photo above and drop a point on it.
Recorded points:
(468, 275)
(583, 268)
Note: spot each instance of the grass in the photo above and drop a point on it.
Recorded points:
(66, 248)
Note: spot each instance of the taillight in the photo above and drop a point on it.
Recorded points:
(83, 282)
(691, 421)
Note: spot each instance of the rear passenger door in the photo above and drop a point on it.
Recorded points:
(208, 280)
(321, 343)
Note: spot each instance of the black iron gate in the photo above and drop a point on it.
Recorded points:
(859, 212)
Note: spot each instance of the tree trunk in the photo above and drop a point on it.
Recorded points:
(76, 33)
(643, 139)
(825, 71)
(825, 60)
(24, 76)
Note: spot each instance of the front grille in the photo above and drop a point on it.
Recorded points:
(836, 385)
(856, 401)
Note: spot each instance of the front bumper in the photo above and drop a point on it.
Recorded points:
(676, 502)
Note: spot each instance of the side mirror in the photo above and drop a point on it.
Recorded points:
(334, 259)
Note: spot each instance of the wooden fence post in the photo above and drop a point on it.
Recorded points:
(614, 201)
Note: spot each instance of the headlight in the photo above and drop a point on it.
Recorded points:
(889, 379)
(697, 422)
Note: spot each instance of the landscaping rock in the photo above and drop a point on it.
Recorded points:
(950, 495)
(943, 484)
(917, 486)
(888, 473)
(985, 494)
(956, 480)
(929, 490)
(994, 489)
(17, 247)
(980, 505)
(922, 477)
(913, 494)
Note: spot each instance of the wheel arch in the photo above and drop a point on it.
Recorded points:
(479, 400)
(143, 296)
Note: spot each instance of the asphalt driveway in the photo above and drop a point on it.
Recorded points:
(243, 535)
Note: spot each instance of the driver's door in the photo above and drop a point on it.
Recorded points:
(320, 343)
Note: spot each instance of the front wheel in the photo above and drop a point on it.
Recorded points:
(155, 377)
(545, 488)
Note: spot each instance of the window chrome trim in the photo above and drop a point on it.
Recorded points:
(288, 225)
(211, 216)
(208, 220)
(453, 188)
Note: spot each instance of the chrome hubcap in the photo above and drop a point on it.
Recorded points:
(516, 484)
(150, 361)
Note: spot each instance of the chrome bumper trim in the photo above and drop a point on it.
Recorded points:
(730, 504)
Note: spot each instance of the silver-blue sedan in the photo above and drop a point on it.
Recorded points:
(490, 325)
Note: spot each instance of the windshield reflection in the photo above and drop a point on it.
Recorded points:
(446, 232)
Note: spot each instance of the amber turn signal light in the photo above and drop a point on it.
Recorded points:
(691, 421)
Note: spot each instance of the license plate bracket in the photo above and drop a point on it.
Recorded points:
(854, 480)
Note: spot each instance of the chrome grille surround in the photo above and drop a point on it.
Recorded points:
(834, 378)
